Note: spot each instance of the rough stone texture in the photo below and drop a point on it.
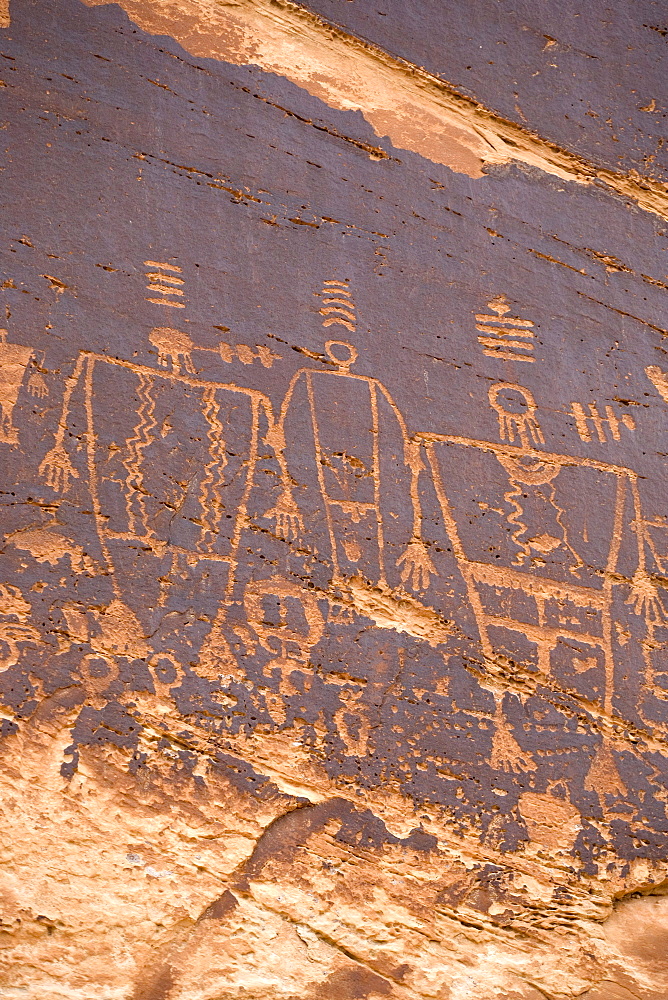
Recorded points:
(590, 77)
(333, 600)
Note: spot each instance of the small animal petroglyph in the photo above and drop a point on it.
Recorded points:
(246, 355)
(174, 347)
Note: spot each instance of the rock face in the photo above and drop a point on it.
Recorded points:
(334, 581)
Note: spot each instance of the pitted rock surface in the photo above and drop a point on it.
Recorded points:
(333, 537)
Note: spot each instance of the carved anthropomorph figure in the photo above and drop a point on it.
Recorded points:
(169, 472)
(542, 539)
(350, 470)
(351, 552)
(654, 645)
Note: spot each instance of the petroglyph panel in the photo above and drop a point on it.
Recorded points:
(333, 550)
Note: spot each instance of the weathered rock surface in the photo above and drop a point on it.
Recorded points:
(334, 583)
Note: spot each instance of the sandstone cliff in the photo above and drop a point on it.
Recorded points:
(334, 586)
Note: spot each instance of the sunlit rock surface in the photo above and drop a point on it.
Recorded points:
(334, 550)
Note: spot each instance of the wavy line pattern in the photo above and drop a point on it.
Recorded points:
(132, 463)
(515, 518)
(579, 562)
(210, 490)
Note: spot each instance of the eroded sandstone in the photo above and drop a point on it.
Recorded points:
(333, 595)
